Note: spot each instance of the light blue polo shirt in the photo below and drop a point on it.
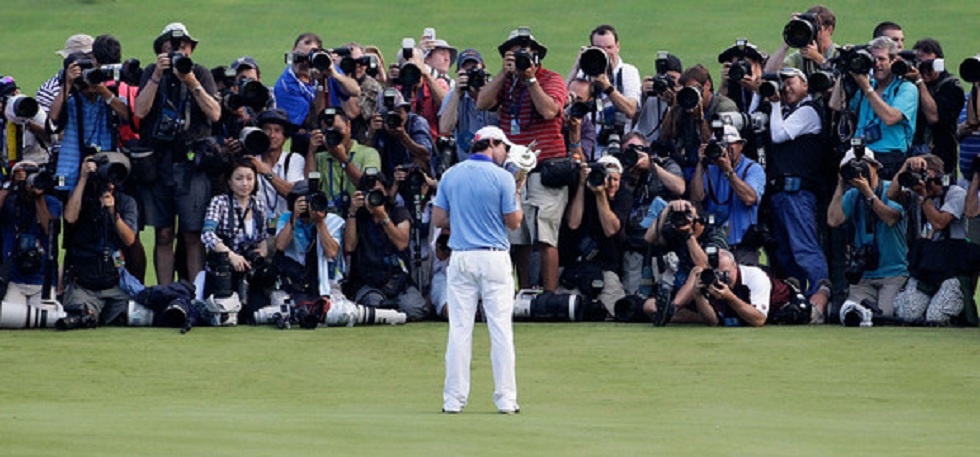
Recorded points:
(891, 240)
(477, 194)
(728, 209)
(901, 95)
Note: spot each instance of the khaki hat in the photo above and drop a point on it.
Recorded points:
(76, 43)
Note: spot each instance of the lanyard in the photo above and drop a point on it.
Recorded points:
(515, 108)
(310, 94)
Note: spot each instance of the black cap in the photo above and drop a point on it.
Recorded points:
(276, 116)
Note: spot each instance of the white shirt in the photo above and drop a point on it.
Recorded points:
(275, 203)
(759, 287)
(803, 121)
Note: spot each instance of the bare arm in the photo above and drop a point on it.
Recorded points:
(835, 212)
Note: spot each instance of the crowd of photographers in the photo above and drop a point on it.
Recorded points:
(818, 183)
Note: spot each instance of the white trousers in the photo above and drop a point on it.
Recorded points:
(472, 276)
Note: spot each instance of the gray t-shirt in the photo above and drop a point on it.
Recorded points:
(953, 204)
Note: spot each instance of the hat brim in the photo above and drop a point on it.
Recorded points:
(158, 43)
(541, 49)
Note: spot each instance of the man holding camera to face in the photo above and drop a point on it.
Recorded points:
(338, 158)
(101, 221)
(688, 122)
(936, 215)
(459, 115)
(810, 32)
(741, 74)
(366, 68)
(376, 237)
(176, 107)
(731, 187)
(796, 179)
(308, 239)
(658, 95)
(878, 266)
(728, 293)
(27, 215)
(529, 100)
(310, 76)
(940, 103)
(401, 137)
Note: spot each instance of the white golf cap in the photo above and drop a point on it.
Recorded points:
(491, 132)
(611, 163)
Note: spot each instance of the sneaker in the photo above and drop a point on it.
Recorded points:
(450, 411)
(663, 314)
(816, 316)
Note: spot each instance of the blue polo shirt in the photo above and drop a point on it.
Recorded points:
(477, 194)
(721, 201)
(295, 96)
(891, 240)
(901, 95)
(468, 121)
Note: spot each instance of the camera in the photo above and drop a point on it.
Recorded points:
(28, 254)
(864, 258)
(476, 77)
(714, 150)
(801, 31)
(20, 108)
(131, 72)
(689, 97)
(393, 119)
(409, 76)
(820, 81)
(253, 93)
(854, 59)
(593, 62)
(535, 305)
(905, 62)
(579, 110)
(371, 62)
(408, 48)
(76, 322)
(856, 167)
(111, 166)
(737, 71)
(630, 155)
(178, 60)
(332, 136)
(39, 178)
(369, 178)
(254, 140)
(524, 59)
(970, 69)
(376, 197)
(95, 76)
(316, 200)
(320, 60)
(597, 175)
(415, 178)
(263, 274)
(662, 82)
(770, 85)
(168, 126)
(912, 178)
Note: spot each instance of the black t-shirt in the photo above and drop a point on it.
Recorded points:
(589, 240)
(376, 258)
(949, 95)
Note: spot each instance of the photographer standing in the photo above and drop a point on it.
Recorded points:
(400, 136)
(658, 96)
(366, 69)
(815, 55)
(176, 107)
(879, 258)
(796, 180)
(688, 122)
(459, 115)
(480, 202)
(529, 100)
(343, 162)
(733, 186)
(101, 221)
(27, 214)
(887, 109)
(301, 88)
(940, 103)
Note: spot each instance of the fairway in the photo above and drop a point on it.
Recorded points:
(589, 389)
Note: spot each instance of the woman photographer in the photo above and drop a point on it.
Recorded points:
(234, 235)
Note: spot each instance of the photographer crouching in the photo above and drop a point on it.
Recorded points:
(730, 294)
(27, 217)
(878, 266)
(101, 221)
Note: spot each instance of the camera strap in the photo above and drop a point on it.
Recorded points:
(240, 215)
(731, 190)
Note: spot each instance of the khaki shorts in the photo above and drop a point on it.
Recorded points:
(543, 210)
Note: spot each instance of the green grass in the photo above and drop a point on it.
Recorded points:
(589, 389)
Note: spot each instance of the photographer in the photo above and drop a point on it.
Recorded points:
(596, 217)
(376, 238)
(879, 262)
(176, 110)
(341, 159)
(936, 219)
(814, 55)
(796, 180)
(742, 90)
(678, 228)
(277, 170)
(688, 124)
(459, 115)
(579, 129)
(528, 99)
(83, 112)
(101, 221)
(890, 30)
(733, 186)
(306, 242)
(658, 96)
(428, 93)
(366, 69)
(300, 90)
(24, 137)
(27, 214)
(400, 136)
(886, 109)
(617, 86)
(738, 296)
(52, 87)
(235, 236)
(940, 103)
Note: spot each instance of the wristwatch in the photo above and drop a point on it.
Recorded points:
(609, 89)
(269, 176)
(530, 82)
(870, 200)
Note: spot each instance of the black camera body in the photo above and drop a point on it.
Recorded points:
(476, 77)
(409, 76)
(597, 175)
(316, 200)
(28, 254)
(332, 136)
(738, 70)
(905, 62)
(689, 97)
(393, 119)
(593, 62)
(714, 150)
(856, 59)
(579, 110)
(263, 274)
(853, 169)
(970, 69)
(661, 84)
(912, 178)
(38, 178)
(105, 73)
(864, 258)
(630, 155)
(801, 31)
(524, 59)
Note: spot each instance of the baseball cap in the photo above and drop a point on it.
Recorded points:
(399, 100)
(442, 44)
(491, 132)
(674, 64)
(8, 86)
(76, 43)
(730, 135)
(168, 31)
(749, 50)
(611, 164)
(467, 55)
(869, 156)
(243, 63)
(516, 38)
(790, 72)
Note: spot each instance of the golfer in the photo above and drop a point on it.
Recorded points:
(478, 201)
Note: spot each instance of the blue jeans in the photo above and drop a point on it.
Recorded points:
(795, 224)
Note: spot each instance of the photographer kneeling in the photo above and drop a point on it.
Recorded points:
(234, 234)
(376, 238)
(25, 221)
(308, 225)
(730, 294)
(101, 221)
(936, 244)
(878, 266)
(597, 217)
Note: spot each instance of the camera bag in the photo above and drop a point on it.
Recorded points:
(558, 173)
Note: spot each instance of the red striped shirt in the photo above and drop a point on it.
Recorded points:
(516, 98)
